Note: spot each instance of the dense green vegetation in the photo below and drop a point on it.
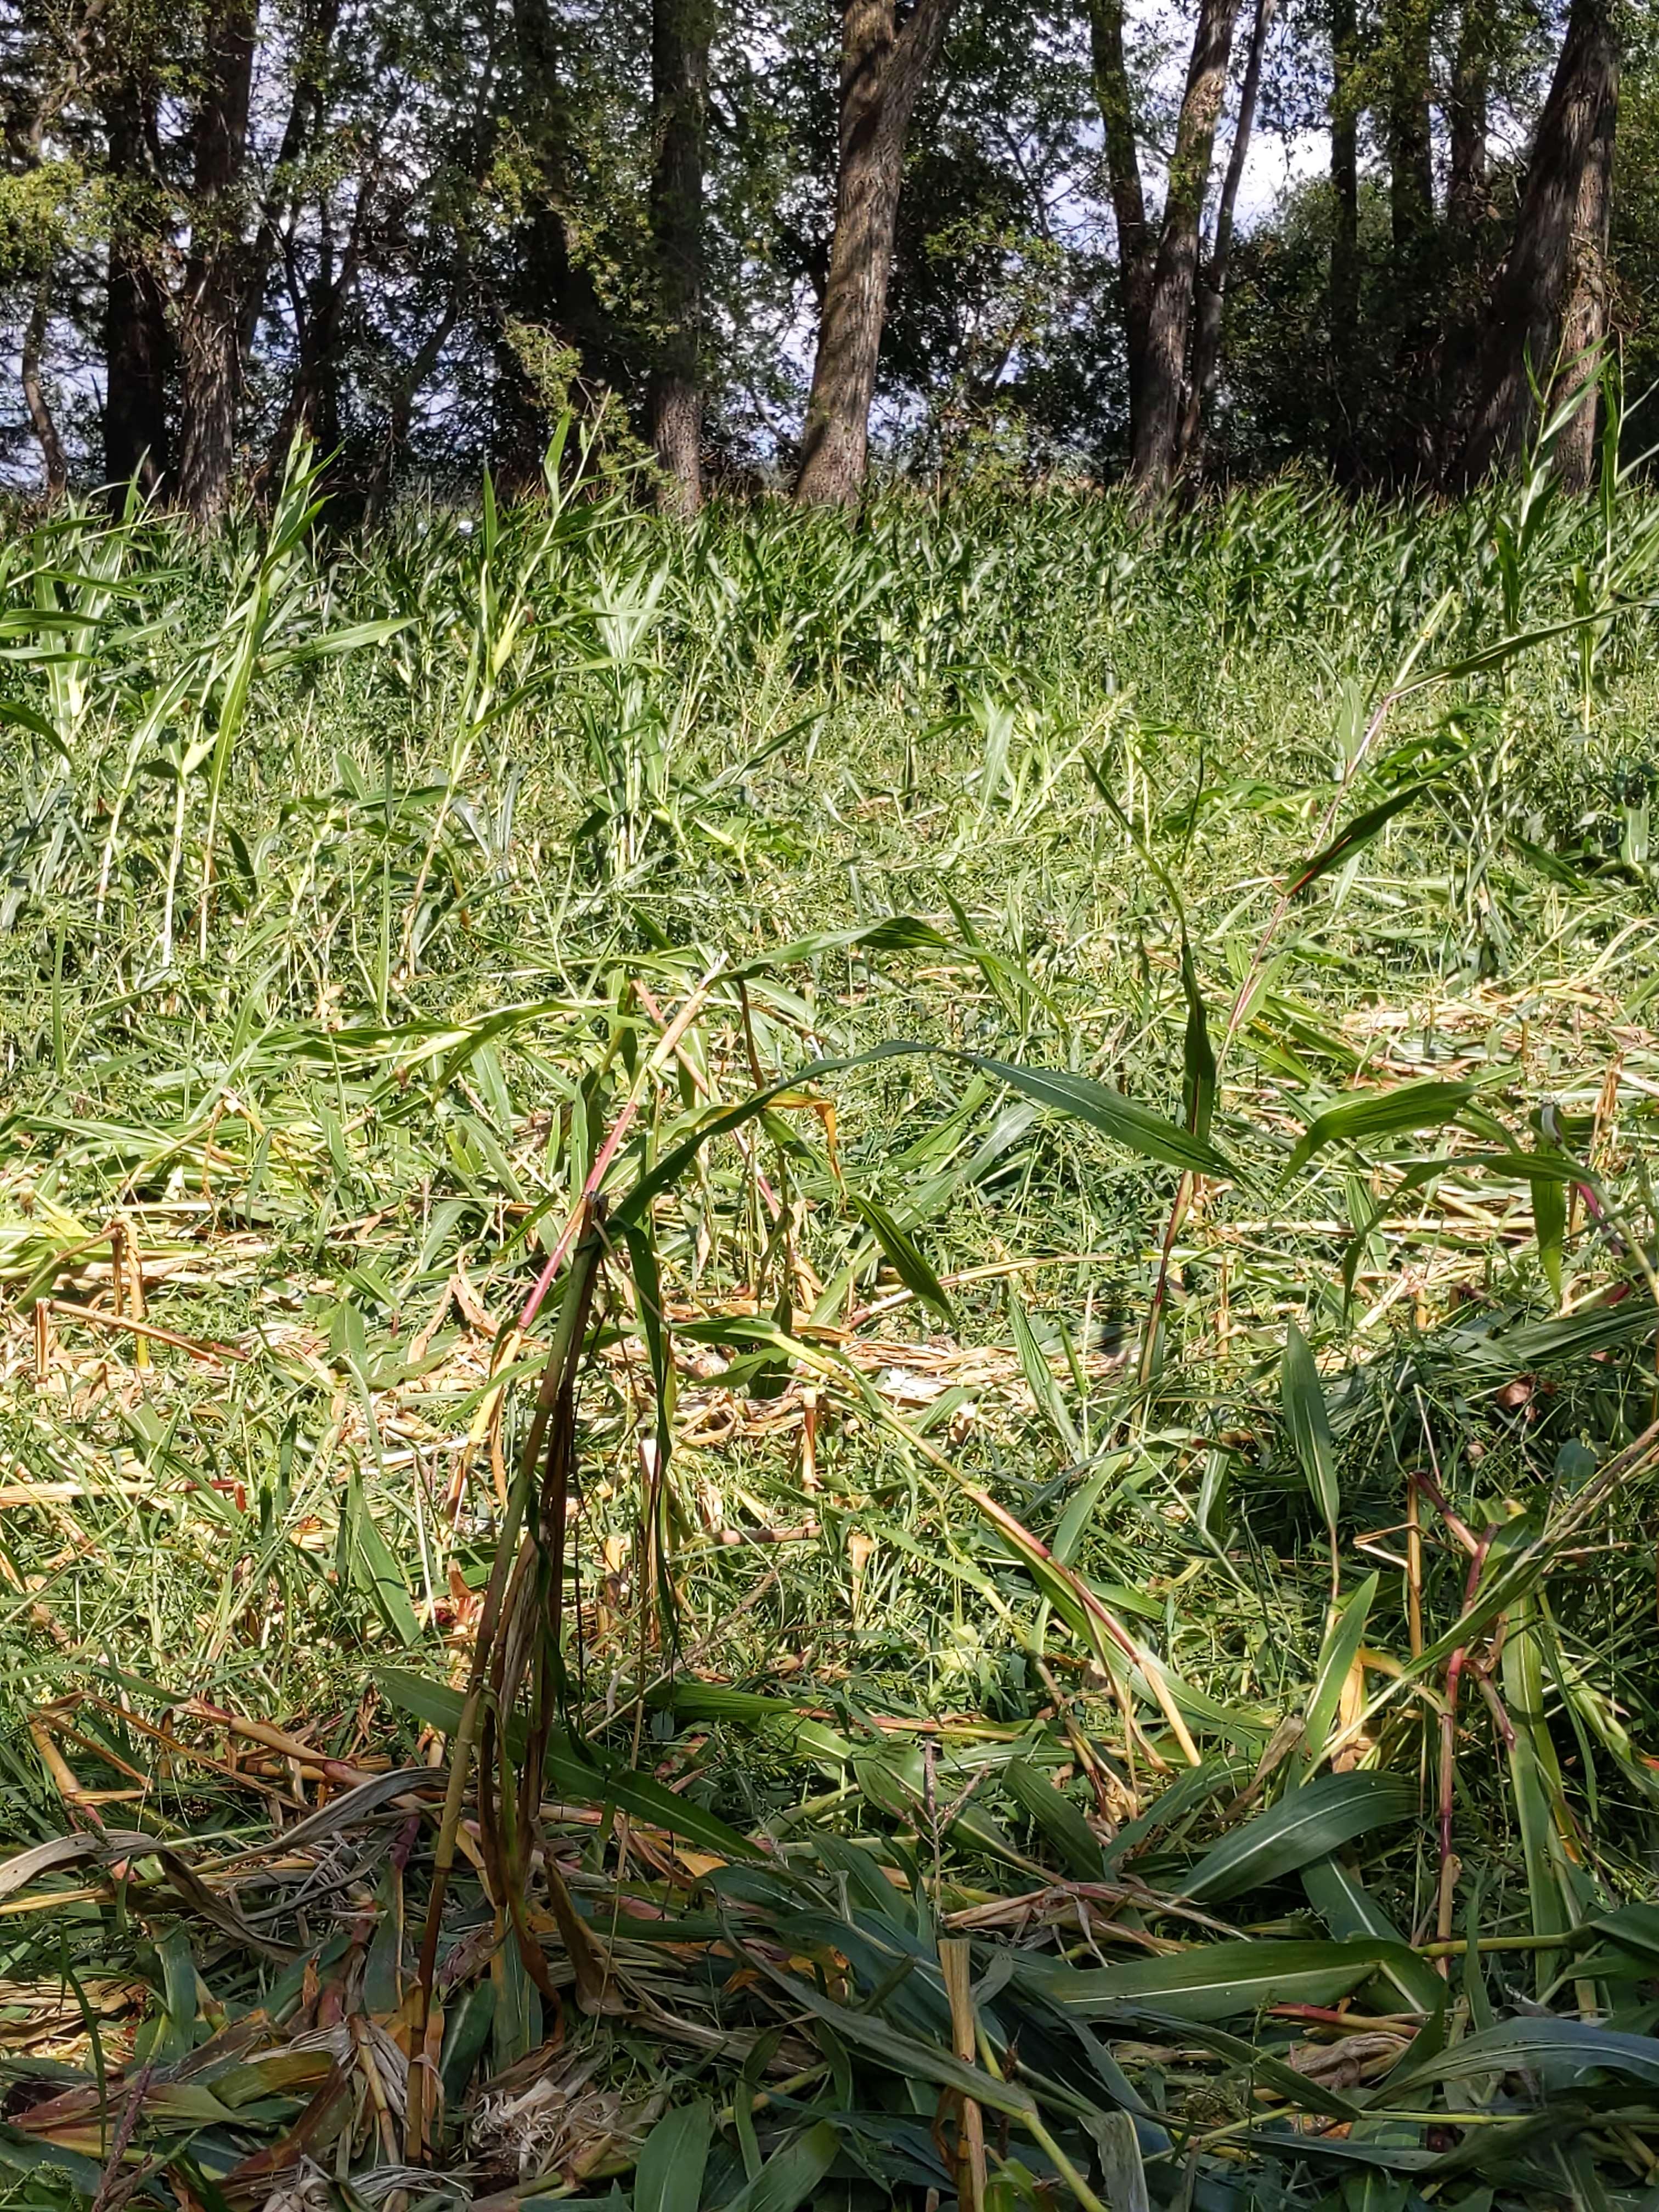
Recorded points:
(745, 239)
(1127, 1047)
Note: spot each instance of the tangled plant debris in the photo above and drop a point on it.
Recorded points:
(829, 1357)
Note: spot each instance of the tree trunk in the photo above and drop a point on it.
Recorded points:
(883, 68)
(1212, 286)
(1415, 269)
(319, 21)
(1584, 324)
(1134, 241)
(404, 393)
(34, 396)
(137, 344)
(1175, 274)
(1411, 154)
(1467, 119)
(1552, 276)
(1462, 274)
(210, 316)
(680, 34)
(1344, 295)
(313, 408)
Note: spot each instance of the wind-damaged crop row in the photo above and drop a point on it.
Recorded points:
(829, 1357)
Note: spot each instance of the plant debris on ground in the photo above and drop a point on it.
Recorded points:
(830, 1356)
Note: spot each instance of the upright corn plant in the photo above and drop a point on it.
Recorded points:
(516, 586)
(626, 733)
(75, 581)
(186, 727)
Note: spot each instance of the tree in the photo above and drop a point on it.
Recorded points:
(1549, 303)
(211, 307)
(1135, 242)
(680, 34)
(1344, 287)
(1213, 285)
(1466, 116)
(1415, 262)
(1410, 154)
(137, 341)
(883, 68)
(1156, 447)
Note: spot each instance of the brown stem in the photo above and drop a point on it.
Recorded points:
(562, 1361)
(1449, 1741)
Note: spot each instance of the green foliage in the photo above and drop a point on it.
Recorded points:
(901, 1598)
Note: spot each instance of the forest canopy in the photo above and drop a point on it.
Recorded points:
(1021, 235)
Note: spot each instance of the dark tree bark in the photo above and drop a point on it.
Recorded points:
(1415, 267)
(1135, 244)
(1175, 274)
(1212, 283)
(418, 373)
(549, 293)
(313, 408)
(1549, 297)
(882, 69)
(1468, 200)
(210, 312)
(34, 396)
(1411, 154)
(138, 342)
(1584, 324)
(1344, 292)
(1464, 263)
(308, 106)
(680, 33)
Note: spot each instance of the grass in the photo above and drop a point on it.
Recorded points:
(1081, 1627)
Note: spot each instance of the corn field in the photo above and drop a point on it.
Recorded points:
(829, 1355)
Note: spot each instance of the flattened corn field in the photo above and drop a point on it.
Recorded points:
(829, 1357)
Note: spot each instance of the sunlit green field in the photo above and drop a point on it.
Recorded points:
(1089, 1081)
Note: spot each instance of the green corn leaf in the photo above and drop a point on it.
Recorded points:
(895, 1783)
(1249, 2057)
(1354, 837)
(1134, 1126)
(1198, 1054)
(1633, 1928)
(376, 1569)
(1308, 1824)
(1039, 1379)
(904, 1255)
(26, 717)
(1228, 1980)
(578, 1777)
(908, 2056)
(1353, 1914)
(1379, 2190)
(783, 1725)
(26, 2154)
(1061, 1824)
(1345, 1905)
(1561, 2051)
(1336, 1658)
(1534, 1781)
(1428, 1105)
(1184, 1798)
(1302, 1397)
(1549, 1222)
(668, 2177)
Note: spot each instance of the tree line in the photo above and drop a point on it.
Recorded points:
(992, 234)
